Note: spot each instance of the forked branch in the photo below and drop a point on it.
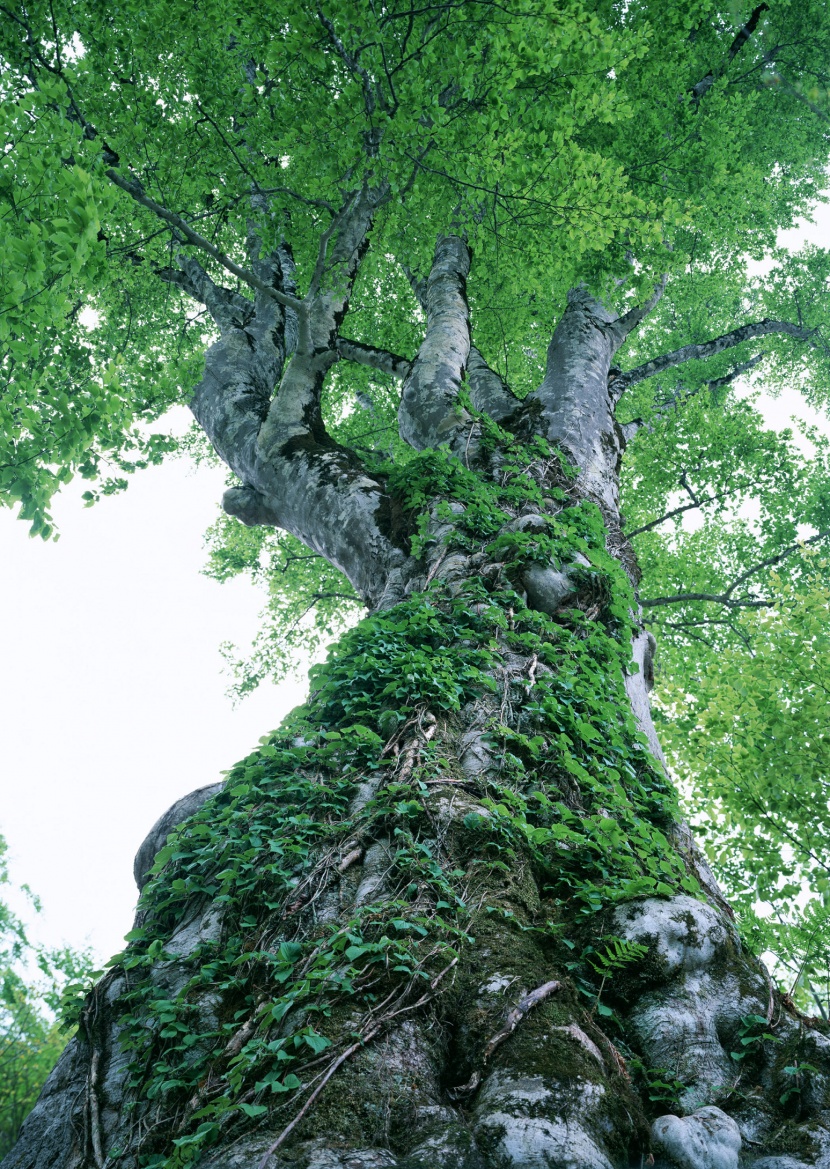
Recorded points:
(684, 507)
(707, 349)
(727, 597)
(629, 321)
(135, 190)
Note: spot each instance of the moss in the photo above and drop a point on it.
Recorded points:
(796, 1140)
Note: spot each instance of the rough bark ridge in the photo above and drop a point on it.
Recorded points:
(447, 917)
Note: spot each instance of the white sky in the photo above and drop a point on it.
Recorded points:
(112, 699)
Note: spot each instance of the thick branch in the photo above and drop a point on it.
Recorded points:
(634, 316)
(234, 402)
(726, 597)
(272, 321)
(228, 309)
(738, 43)
(706, 349)
(293, 475)
(429, 412)
(418, 286)
(490, 394)
(295, 410)
(381, 359)
(574, 397)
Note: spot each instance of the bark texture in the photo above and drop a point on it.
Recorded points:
(543, 978)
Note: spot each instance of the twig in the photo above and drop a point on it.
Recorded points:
(726, 598)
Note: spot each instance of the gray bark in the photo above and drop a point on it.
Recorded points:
(489, 393)
(429, 412)
(577, 411)
(380, 359)
(175, 815)
(263, 414)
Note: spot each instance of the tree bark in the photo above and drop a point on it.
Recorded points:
(451, 912)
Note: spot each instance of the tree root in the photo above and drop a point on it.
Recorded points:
(514, 1017)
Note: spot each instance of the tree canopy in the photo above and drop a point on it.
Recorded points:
(155, 151)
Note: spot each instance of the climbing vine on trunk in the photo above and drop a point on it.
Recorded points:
(354, 857)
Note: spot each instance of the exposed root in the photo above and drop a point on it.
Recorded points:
(350, 859)
(514, 1017)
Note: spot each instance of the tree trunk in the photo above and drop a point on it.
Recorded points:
(448, 916)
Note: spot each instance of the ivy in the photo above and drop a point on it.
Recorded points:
(576, 797)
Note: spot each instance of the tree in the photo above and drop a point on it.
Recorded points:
(449, 914)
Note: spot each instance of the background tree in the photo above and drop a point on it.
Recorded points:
(425, 276)
(33, 982)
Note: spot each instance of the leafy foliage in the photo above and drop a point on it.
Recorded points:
(33, 982)
(547, 137)
(749, 736)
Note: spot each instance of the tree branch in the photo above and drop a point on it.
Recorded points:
(726, 597)
(796, 93)
(418, 286)
(228, 309)
(575, 400)
(293, 475)
(136, 192)
(718, 598)
(373, 94)
(381, 359)
(295, 410)
(679, 398)
(634, 316)
(490, 394)
(738, 43)
(429, 413)
(323, 204)
(687, 628)
(684, 508)
(706, 349)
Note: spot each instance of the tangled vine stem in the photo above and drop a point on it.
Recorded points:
(375, 1030)
(286, 1132)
